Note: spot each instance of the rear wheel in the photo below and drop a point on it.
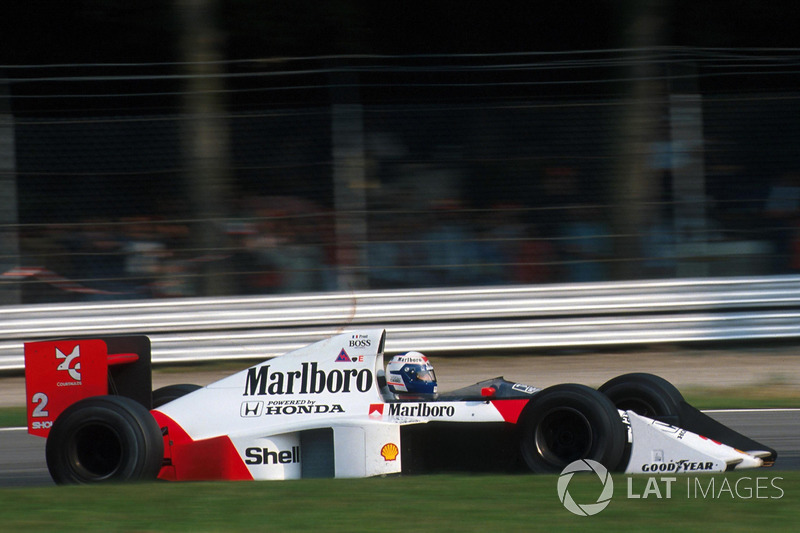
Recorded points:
(172, 392)
(564, 423)
(104, 438)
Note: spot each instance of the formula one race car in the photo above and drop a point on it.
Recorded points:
(331, 410)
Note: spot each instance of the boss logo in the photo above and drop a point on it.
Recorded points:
(360, 343)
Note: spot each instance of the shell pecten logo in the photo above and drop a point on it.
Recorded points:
(389, 452)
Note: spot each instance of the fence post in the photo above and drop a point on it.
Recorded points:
(688, 181)
(349, 182)
(207, 145)
(9, 227)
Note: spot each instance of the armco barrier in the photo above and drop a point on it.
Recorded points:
(477, 319)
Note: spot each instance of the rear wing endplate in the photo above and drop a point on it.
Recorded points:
(60, 372)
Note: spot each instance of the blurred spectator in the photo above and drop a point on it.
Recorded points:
(100, 261)
(451, 253)
(387, 254)
(586, 245)
(176, 274)
(260, 260)
(499, 244)
(175, 278)
(782, 212)
(658, 243)
(144, 252)
(45, 247)
(396, 255)
(301, 259)
(558, 187)
(244, 260)
(535, 258)
(282, 248)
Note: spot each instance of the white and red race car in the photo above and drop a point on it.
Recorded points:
(325, 411)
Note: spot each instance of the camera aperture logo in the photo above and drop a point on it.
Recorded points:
(585, 509)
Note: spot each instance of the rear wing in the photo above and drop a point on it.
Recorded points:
(60, 372)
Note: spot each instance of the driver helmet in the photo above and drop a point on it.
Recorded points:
(410, 375)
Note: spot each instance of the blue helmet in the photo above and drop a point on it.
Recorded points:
(411, 375)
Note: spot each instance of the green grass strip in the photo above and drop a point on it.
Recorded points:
(760, 500)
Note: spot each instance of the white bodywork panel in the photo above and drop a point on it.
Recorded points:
(661, 448)
(264, 409)
(371, 449)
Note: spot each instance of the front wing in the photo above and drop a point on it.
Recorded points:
(657, 447)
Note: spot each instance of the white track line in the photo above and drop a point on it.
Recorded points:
(766, 410)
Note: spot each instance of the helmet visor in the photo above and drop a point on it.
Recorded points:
(426, 374)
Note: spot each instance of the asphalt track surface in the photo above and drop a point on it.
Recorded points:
(22, 460)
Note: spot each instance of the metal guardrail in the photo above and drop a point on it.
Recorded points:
(477, 319)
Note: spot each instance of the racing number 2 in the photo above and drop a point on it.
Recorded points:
(39, 398)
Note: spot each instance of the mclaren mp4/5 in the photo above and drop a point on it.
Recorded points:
(331, 409)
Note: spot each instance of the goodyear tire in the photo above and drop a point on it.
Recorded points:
(104, 439)
(564, 423)
(645, 394)
(172, 392)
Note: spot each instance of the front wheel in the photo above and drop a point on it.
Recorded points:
(564, 423)
(645, 394)
(104, 438)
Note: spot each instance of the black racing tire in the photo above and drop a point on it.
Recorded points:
(645, 394)
(104, 439)
(172, 392)
(567, 422)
